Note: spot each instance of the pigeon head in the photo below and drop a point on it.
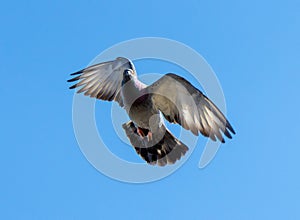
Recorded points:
(127, 76)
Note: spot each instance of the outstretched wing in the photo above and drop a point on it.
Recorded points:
(103, 81)
(182, 103)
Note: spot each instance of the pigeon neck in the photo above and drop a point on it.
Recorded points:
(131, 90)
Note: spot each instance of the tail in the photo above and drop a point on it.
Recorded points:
(163, 149)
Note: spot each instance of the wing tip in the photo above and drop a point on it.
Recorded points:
(73, 79)
(228, 125)
(73, 87)
(76, 73)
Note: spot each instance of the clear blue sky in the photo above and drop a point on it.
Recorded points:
(253, 47)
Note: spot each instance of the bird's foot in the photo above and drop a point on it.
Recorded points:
(149, 136)
(144, 133)
(140, 132)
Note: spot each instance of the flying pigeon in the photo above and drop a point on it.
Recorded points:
(170, 96)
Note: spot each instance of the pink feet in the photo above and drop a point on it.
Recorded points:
(142, 134)
(149, 136)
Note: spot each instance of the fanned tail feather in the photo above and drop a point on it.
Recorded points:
(163, 149)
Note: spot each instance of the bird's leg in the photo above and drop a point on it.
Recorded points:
(140, 132)
(149, 136)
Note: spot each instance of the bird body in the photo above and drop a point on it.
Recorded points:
(138, 103)
(171, 96)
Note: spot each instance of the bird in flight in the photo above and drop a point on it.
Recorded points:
(171, 96)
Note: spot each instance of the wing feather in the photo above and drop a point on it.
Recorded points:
(182, 103)
(103, 80)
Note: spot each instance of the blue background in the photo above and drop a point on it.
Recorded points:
(253, 46)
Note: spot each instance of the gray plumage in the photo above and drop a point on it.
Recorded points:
(171, 96)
